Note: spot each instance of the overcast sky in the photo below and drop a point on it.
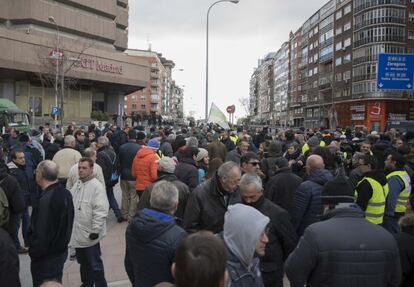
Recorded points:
(240, 34)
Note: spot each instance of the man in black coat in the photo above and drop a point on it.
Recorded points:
(51, 226)
(127, 153)
(281, 187)
(209, 201)
(281, 234)
(17, 168)
(14, 195)
(405, 241)
(107, 159)
(9, 261)
(186, 170)
(152, 238)
(344, 249)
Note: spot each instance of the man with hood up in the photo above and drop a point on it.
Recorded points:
(152, 238)
(245, 237)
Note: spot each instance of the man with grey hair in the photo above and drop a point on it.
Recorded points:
(67, 157)
(51, 225)
(152, 238)
(209, 201)
(281, 233)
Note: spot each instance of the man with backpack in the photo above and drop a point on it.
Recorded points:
(108, 160)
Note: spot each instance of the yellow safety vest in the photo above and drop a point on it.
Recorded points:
(305, 147)
(405, 193)
(234, 139)
(376, 205)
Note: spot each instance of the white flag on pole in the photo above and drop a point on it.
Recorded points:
(216, 116)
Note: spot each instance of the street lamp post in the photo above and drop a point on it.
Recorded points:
(208, 14)
(57, 58)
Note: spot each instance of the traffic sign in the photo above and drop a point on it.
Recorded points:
(231, 109)
(55, 111)
(395, 71)
(56, 56)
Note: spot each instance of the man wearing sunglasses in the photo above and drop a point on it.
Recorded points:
(250, 163)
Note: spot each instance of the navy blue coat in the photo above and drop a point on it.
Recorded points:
(151, 240)
(308, 203)
(127, 153)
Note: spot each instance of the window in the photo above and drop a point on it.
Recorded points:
(347, 42)
(347, 9)
(347, 58)
(310, 34)
(411, 17)
(338, 15)
(338, 31)
(315, 44)
(311, 46)
(315, 57)
(338, 46)
(296, 44)
(315, 84)
(310, 73)
(411, 35)
(338, 77)
(134, 107)
(142, 107)
(134, 97)
(347, 26)
(143, 98)
(315, 30)
(315, 70)
(338, 94)
(338, 61)
(347, 75)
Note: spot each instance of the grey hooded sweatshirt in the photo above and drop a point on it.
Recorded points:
(243, 226)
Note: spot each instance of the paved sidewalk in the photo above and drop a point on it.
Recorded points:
(113, 252)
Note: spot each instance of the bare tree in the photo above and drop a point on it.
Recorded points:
(69, 60)
(245, 103)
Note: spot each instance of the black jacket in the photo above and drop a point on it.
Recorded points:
(281, 189)
(51, 223)
(105, 157)
(183, 194)
(151, 240)
(229, 144)
(187, 172)
(127, 154)
(282, 239)
(14, 195)
(207, 205)
(345, 250)
(405, 241)
(9, 261)
(19, 173)
(50, 149)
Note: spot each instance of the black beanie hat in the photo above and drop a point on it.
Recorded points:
(337, 191)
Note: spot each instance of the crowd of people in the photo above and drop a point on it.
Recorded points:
(211, 207)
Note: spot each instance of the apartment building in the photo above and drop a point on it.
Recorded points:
(333, 65)
(90, 36)
(161, 96)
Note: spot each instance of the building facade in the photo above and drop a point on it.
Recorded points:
(83, 42)
(161, 96)
(333, 65)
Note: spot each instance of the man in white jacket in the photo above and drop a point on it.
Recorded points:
(89, 227)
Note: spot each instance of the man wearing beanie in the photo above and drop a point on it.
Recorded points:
(166, 168)
(245, 238)
(344, 249)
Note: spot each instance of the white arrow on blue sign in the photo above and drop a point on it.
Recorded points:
(395, 71)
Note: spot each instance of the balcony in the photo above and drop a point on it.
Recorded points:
(326, 58)
(370, 3)
(155, 98)
(154, 75)
(154, 83)
(385, 38)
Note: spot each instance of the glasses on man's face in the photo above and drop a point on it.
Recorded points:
(254, 163)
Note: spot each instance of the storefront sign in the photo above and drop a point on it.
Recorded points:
(376, 111)
(358, 108)
(357, 117)
(98, 65)
(397, 117)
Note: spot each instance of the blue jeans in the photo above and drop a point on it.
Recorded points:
(112, 201)
(391, 224)
(50, 268)
(91, 266)
(24, 217)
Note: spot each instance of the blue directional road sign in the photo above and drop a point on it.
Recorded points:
(395, 71)
(55, 111)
